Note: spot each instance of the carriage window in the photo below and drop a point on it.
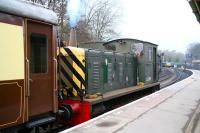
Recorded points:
(38, 53)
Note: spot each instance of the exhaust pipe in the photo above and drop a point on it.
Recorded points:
(72, 37)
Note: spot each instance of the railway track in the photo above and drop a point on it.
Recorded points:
(170, 76)
(165, 74)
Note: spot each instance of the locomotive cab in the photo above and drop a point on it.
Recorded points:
(28, 64)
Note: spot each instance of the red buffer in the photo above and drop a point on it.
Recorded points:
(76, 112)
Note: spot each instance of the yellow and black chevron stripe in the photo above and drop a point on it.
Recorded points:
(72, 69)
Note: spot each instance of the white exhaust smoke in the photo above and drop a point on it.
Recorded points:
(74, 11)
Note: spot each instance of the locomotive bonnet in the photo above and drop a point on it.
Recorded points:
(89, 71)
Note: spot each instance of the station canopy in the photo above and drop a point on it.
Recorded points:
(195, 5)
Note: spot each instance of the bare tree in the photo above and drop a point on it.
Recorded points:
(172, 56)
(100, 17)
(194, 50)
(48, 3)
(83, 34)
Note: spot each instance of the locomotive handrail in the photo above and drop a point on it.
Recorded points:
(28, 77)
(55, 84)
(55, 73)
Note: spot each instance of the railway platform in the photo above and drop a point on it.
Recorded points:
(174, 109)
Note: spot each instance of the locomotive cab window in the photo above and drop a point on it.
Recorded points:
(150, 54)
(38, 53)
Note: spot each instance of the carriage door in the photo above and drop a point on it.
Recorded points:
(40, 57)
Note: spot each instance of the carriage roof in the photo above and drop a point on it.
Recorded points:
(28, 10)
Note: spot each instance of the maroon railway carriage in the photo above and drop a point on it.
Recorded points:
(28, 90)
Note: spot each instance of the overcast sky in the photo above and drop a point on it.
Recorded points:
(168, 23)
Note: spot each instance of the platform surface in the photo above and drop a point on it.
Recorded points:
(169, 110)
